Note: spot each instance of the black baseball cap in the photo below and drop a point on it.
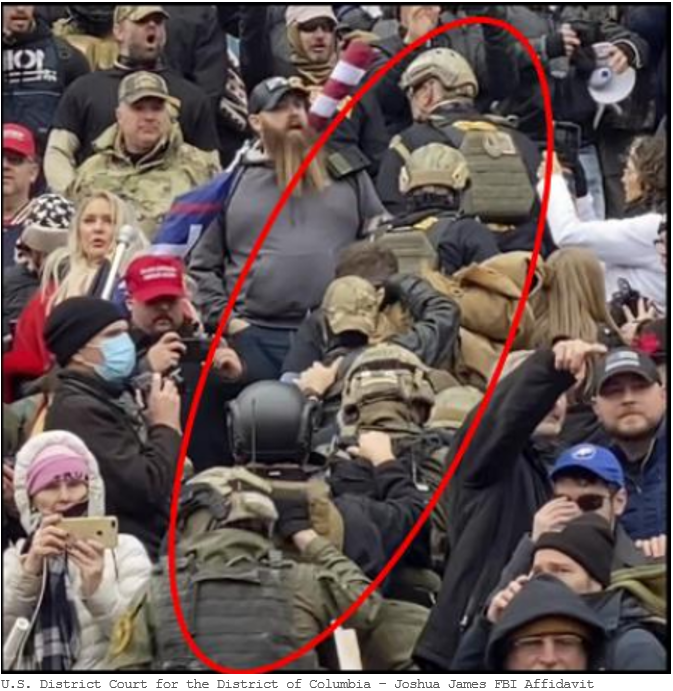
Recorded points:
(627, 361)
(268, 94)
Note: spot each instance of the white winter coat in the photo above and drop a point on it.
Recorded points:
(127, 568)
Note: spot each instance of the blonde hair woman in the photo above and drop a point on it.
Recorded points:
(572, 303)
(71, 272)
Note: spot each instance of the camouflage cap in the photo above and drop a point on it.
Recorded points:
(449, 67)
(351, 304)
(436, 165)
(138, 85)
(136, 13)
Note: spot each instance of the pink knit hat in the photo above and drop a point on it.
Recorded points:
(54, 463)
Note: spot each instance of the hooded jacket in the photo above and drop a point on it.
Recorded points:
(137, 462)
(542, 597)
(630, 644)
(127, 568)
(305, 242)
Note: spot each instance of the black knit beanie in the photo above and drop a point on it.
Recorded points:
(73, 323)
(587, 540)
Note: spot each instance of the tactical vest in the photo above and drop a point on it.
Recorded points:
(239, 613)
(412, 246)
(235, 595)
(501, 192)
(32, 84)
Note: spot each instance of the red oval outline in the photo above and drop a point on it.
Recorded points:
(324, 138)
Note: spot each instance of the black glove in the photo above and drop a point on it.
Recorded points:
(293, 516)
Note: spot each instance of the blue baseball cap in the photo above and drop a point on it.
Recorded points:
(596, 460)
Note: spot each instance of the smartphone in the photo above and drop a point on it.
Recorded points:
(568, 142)
(103, 529)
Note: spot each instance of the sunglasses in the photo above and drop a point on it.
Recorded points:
(587, 502)
(591, 502)
(314, 25)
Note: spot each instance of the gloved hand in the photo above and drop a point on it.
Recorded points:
(293, 516)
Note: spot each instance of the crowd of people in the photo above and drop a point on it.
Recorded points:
(360, 345)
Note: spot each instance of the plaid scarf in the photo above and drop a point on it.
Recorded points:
(55, 640)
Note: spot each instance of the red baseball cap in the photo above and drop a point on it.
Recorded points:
(18, 139)
(151, 278)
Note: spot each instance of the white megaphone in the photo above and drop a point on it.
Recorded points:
(605, 86)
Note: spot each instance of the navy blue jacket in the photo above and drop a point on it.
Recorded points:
(646, 484)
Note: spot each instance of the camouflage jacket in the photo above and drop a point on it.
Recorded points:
(151, 184)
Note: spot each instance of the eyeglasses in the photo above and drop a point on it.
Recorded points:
(327, 25)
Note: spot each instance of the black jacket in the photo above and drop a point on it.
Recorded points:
(18, 287)
(631, 645)
(379, 505)
(137, 462)
(209, 443)
(197, 49)
(571, 100)
(433, 336)
(490, 504)
(485, 647)
(37, 68)
(88, 108)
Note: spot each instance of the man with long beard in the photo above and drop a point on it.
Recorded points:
(326, 213)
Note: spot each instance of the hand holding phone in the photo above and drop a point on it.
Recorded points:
(101, 529)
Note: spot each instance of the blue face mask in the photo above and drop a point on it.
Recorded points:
(119, 359)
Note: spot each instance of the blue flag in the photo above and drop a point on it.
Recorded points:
(193, 212)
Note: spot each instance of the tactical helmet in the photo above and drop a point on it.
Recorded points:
(221, 497)
(445, 65)
(435, 165)
(386, 373)
(271, 422)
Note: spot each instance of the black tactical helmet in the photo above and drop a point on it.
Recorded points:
(271, 422)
